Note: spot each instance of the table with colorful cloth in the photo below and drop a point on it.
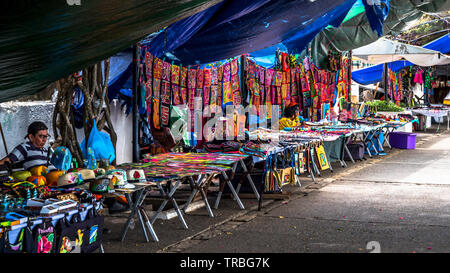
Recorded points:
(278, 141)
(436, 112)
(170, 169)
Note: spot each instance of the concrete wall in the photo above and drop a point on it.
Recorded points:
(16, 116)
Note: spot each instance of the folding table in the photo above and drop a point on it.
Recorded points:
(140, 191)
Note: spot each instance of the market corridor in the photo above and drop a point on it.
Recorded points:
(400, 203)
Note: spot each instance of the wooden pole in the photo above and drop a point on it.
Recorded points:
(135, 105)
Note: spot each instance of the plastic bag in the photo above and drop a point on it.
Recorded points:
(100, 143)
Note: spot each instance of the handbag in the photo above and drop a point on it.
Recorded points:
(72, 235)
(321, 157)
(94, 232)
(43, 237)
(286, 172)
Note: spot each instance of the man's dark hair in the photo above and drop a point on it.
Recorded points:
(36, 127)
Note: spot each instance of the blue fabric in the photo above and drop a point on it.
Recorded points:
(121, 73)
(376, 14)
(235, 27)
(374, 73)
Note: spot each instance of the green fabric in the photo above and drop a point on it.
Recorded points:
(43, 41)
(356, 32)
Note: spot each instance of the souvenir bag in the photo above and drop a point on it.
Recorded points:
(61, 158)
(67, 240)
(6, 246)
(44, 238)
(286, 171)
(213, 99)
(272, 177)
(321, 158)
(94, 231)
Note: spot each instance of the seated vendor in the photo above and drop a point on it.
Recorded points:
(32, 153)
(290, 117)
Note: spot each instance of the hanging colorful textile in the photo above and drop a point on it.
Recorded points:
(175, 80)
(165, 103)
(157, 74)
(183, 85)
(227, 89)
(235, 82)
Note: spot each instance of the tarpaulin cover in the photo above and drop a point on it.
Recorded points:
(374, 74)
(235, 27)
(386, 51)
(43, 41)
(357, 32)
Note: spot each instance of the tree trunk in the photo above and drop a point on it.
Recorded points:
(95, 91)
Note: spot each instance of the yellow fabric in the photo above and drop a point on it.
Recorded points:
(288, 122)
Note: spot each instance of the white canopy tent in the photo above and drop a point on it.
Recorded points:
(386, 51)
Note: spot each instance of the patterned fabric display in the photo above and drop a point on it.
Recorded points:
(157, 68)
(199, 78)
(235, 82)
(183, 77)
(165, 93)
(175, 74)
(207, 77)
(176, 94)
(148, 65)
(191, 97)
(166, 71)
(192, 78)
(214, 76)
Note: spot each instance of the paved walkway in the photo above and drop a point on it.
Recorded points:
(397, 203)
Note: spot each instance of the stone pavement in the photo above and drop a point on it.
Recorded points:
(398, 203)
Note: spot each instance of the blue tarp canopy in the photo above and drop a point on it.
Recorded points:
(374, 74)
(235, 27)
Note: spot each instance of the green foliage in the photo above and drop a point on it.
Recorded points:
(384, 106)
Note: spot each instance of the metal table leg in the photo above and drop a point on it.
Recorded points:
(139, 210)
(168, 196)
(226, 180)
(249, 178)
(198, 187)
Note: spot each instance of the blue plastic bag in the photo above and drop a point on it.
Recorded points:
(100, 143)
(61, 158)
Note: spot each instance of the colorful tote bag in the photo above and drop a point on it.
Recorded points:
(321, 158)
(44, 238)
